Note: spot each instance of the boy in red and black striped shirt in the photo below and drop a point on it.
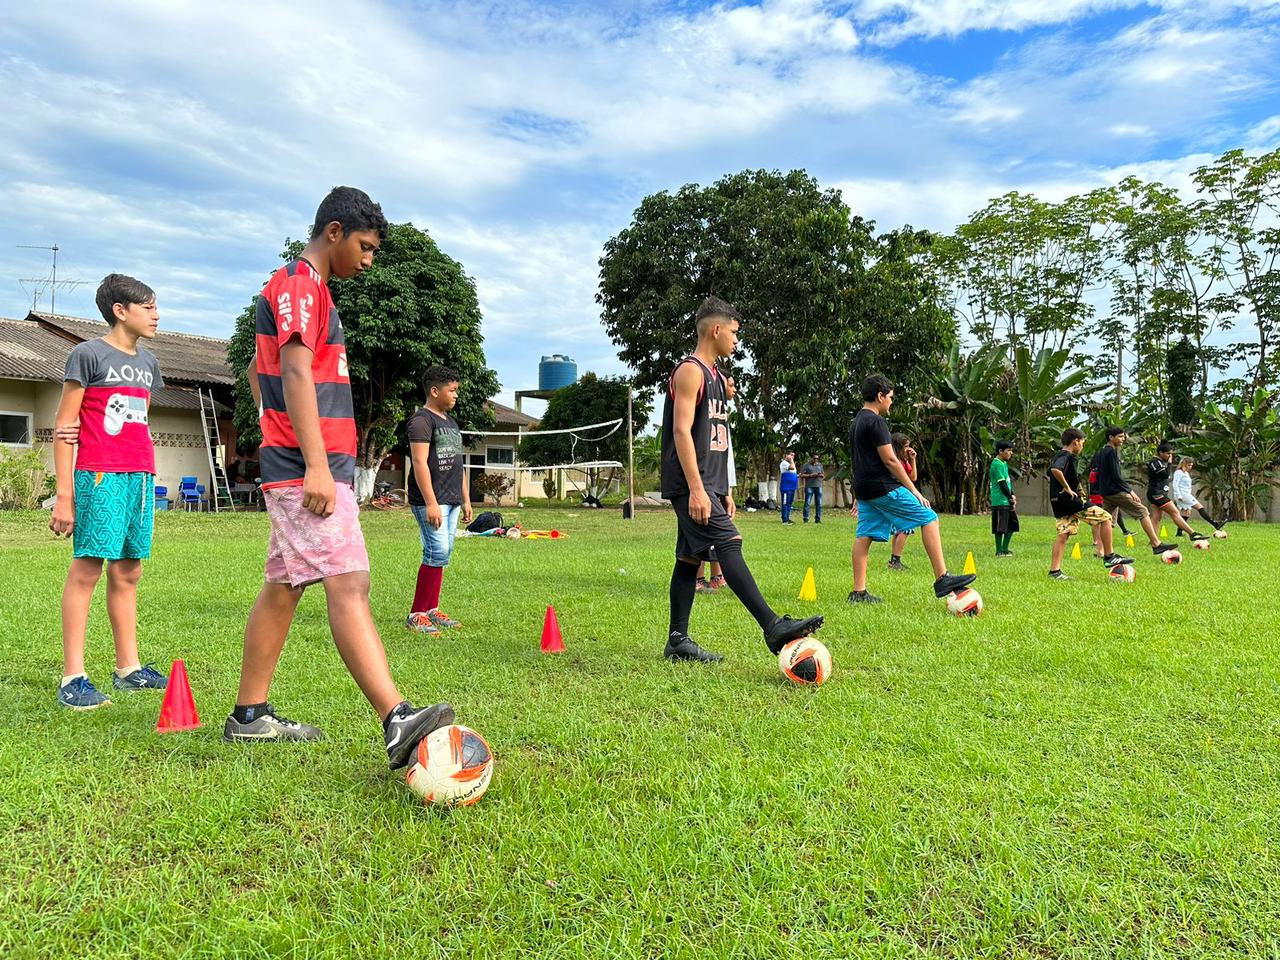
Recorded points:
(300, 382)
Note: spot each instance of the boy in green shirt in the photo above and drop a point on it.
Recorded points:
(1004, 516)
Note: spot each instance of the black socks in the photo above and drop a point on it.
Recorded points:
(1208, 519)
(684, 587)
(743, 585)
(248, 712)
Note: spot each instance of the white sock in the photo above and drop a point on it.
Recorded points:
(123, 672)
(67, 679)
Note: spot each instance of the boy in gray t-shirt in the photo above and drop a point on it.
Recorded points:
(812, 474)
(106, 485)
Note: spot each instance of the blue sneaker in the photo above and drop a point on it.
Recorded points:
(144, 678)
(80, 694)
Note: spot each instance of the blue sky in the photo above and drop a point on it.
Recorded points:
(182, 142)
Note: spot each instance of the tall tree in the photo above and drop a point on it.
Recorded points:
(413, 309)
(1242, 207)
(1022, 269)
(777, 246)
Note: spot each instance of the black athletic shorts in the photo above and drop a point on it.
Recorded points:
(1004, 520)
(1159, 501)
(695, 541)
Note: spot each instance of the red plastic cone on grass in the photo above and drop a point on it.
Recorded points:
(552, 642)
(178, 711)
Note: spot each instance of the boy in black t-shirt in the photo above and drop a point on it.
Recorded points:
(439, 495)
(1070, 507)
(888, 501)
(1160, 490)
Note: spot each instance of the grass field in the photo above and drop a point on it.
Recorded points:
(1089, 769)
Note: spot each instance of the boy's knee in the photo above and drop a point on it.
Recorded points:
(84, 571)
(124, 572)
(348, 586)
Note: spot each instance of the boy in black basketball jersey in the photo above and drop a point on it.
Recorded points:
(695, 478)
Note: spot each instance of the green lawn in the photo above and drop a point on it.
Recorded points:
(1089, 769)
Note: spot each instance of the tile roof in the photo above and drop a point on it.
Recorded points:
(184, 357)
(504, 414)
(29, 351)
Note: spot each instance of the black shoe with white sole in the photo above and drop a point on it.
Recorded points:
(785, 629)
(951, 582)
(680, 649)
(1115, 560)
(267, 725)
(407, 725)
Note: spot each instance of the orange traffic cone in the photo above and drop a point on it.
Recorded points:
(551, 639)
(178, 711)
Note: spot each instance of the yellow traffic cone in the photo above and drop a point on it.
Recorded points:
(1163, 532)
(969, 565)
(808, 589)
(1128, 541)
(1075, 552)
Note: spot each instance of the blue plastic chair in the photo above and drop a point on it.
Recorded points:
(189, 493)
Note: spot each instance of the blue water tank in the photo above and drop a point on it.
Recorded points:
(557, 371)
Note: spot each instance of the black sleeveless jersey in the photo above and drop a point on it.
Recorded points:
(710, 435)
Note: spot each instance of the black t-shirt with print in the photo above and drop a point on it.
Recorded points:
(871, 478)
(445, 458)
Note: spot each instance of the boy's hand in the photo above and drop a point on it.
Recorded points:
(699, 506)
(920, 496)
(435, 516)
(63, 520)
(68, 432)
(730, 507)
(319, 492)
(466, 512)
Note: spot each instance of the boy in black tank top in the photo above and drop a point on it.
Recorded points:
(695, 478)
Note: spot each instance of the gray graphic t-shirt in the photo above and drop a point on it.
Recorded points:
(445, 458)
(114, 435)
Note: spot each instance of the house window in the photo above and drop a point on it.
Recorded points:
(15, 428)
(502, 456)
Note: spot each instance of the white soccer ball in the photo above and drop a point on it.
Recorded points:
(1122, 573)
(513, 533)
(805, 661)
(1200, 544)
(451, 767)
(1220, 534)
(1171, 556)
(965, 603)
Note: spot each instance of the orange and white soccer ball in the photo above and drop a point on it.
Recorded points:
(1171, 556)
(805, 661)
(965, 603)
(1122, 573)
(451, 767)
(1220, 534)
(1200, 544)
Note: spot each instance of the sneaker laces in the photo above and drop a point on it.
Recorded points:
(270, 711)
(149, 672)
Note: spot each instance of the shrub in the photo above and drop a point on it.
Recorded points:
(24, 479)
(492, 486)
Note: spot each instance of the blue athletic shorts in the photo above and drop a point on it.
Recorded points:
(114, 515)
(896, 512)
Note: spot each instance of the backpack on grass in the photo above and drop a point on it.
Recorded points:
(485, 522)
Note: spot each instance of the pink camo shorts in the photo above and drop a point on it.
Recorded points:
(306, 547)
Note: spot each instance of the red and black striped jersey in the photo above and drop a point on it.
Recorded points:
(297, 303)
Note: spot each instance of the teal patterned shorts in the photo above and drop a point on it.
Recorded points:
(114, 515)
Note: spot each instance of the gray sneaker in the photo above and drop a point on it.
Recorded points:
(442, 620)
(268, 725)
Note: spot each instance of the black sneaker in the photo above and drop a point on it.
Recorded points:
(268, 725)
(1058, 575)
(862, 596)
(1115, 560)
(1179, 533)
(681, 649)
(785, 629)
(407, 725)
(1197, 536)
(1163, 548)
(897, 564)
(951, 582)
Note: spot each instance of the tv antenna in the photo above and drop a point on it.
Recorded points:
(51, 283)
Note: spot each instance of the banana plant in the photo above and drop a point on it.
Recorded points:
(1237, 450)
